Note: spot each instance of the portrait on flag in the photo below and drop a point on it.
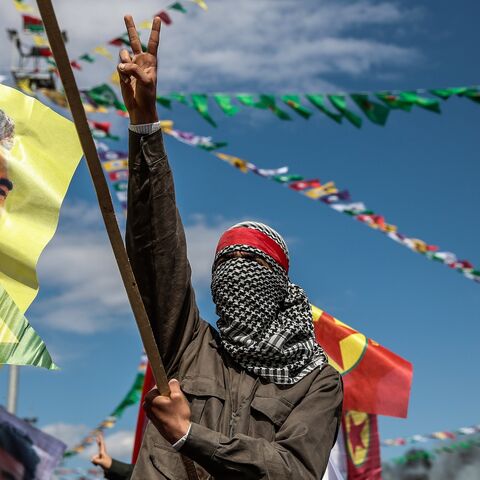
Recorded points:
(26, 453)
(39, 152)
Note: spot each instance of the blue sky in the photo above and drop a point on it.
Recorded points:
(421, 171)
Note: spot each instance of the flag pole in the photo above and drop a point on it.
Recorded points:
(59, 51)
(12, 395)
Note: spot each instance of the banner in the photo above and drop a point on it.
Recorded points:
(25, 451)
(375, 379)
(360, 431)
(19, 344)
(39, 152)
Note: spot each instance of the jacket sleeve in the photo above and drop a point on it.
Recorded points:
(157, 249)
(119, 471)
(300, 450)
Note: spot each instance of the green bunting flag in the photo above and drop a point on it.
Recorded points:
(178, 7)
(318, 100)
(339, 102)
(446, 93)
(287, 178)
(293, 101)
(394, 101)
(87, 58)
(248, 100)
(104, 95)
(268, 101)
(225, 103)
(415, 99)
(19, 343)
(472, 94)
(164, 101)
(374, 111)
(200, 104)
(179, 97)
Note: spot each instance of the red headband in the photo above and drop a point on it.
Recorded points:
(256, 239)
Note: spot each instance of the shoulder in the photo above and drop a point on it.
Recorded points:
(326, 379)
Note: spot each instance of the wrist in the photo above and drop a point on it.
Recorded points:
(140, 118)
(180, 432)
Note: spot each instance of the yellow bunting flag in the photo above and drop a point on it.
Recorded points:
(39, 152)
(40, 41)
(234, 161)
(201, 4)
(22, 7)
(101, 50)
(145, 25)
(115, 78)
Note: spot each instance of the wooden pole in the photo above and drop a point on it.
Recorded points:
(103, 195)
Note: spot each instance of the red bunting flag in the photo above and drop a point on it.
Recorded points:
(300, 185)
(376, 380)
(165, 17)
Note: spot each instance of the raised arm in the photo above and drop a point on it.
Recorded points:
(155, 236)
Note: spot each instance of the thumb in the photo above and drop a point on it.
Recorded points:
(133, 70)
(175, 389)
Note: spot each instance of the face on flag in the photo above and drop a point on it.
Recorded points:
(7, 133)
(39, 151)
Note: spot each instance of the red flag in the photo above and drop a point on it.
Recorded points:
(165, 17)
(142, 420)
(300, 185)
(375, 379)
(362, 446)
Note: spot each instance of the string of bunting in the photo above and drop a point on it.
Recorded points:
(430, 454)
(340, 201)
(441, 435)
(131, 398)
(328, 193)
(375, 106)
(33, 24)
(63, 473)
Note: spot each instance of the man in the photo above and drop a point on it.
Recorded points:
(7, 130)
(18, 459)
(257, 400)
(112, 468)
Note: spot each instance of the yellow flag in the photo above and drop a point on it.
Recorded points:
(115, 78)
(201, 3)
(146, 25)
(21, 7)
(39, 152)
(101, 50)
(40, 41)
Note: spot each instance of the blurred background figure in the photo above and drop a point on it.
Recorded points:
(112, 469)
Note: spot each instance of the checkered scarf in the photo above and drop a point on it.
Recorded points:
(265, 321)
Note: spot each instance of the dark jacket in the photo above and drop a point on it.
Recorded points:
(242, 427)
(119, 471)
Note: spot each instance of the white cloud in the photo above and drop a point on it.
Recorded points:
(119, 444)
(66, 432)
(272, 44)
(85, 292)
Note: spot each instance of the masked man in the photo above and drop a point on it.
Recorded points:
(255, 400)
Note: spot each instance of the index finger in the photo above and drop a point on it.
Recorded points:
(133, 35)
(101, 443)
(154, 39)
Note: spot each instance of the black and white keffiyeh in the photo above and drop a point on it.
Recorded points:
(265, 321)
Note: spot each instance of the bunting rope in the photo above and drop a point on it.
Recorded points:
(441, 435)
(131, 398)
(33, 24)
(430, 454)
(327, 193)
(336, 108)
